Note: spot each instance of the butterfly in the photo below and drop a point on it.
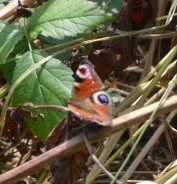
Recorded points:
(144, 13)
(88, 103)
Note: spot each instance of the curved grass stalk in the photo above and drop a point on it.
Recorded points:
(155, 96)
(132, 97)
(4, 90)
(162, 90)
(165, 17)
(165, 179)
(173, 179)
(43, 176)
(171, 12)
(170, 67)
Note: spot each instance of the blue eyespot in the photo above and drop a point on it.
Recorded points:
(103, 99)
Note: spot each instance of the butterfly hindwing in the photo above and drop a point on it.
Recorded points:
(99, 109)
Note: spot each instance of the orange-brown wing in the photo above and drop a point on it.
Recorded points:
(99, 108)
(86, 82)
(144, 13)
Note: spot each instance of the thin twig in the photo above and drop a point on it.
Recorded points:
(57, 107)
(95, 158)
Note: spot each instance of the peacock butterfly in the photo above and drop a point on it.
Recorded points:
(88, 103)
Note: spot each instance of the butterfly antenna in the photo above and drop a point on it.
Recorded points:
(95, 159)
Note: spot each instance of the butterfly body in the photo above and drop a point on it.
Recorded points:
(88, 103)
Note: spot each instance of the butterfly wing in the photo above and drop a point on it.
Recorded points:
(99, 108)
(86, 82)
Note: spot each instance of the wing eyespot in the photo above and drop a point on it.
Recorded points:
(84, 71)
(101, 98)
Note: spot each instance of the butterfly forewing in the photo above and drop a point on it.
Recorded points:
(86, 81)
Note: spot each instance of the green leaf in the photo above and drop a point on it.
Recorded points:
(60, 18)
(20, 48)
(1, 5)
(10, 35)
(175, 80)
(4, 1)
(49, 84)
(113, 8)
(8, 69)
